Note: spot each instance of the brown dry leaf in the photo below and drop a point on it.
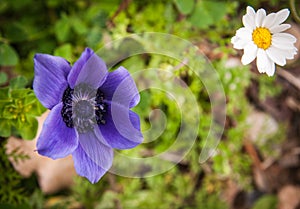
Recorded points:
(230, 192)
(289, 197)
(261, 126)
(53, 175)
(270, 179)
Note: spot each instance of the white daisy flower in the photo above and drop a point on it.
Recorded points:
(262, 38)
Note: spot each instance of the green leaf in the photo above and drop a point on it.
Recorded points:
(30, 99)
(62, 29)
(3, 105)
(8, 111)
(5, 128)
(201, 18)
(266, 202)
(16, 31)
(217, 9)
(79, 26)
(109, 5)
(9, 206)
(185, 6)
(4, 93)
(35, 108)
(3, 78)
(94, 37)
(8, 55)
(27, 129)
(18, 82)
(3, 6)
(65, 51)
(53, 3)
(19, 93)
(208, 13)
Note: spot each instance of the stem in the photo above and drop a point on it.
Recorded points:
(294, 10)
(289, 77)
(124, 4)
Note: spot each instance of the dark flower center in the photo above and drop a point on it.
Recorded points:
(83, 107)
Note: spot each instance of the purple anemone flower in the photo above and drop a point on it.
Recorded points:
(90, 111)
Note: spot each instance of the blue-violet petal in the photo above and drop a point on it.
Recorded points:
(120, 87)
(98, 152)
(50, 78)
(89, 69)
(122, 128)
(56, 139)
(85, 167)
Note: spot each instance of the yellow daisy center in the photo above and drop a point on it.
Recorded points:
(262, 37)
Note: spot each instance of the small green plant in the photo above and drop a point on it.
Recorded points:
(19, 107)
(11, 191)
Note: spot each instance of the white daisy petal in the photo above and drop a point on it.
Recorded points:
(290, 53)
(235, 39)
(250, 11)
(270, 70)
(295, 51)
(279, 28)
(264, 63)
(282, 15)
(276, 55)
(250, 52)
(285, 37)
(282, 43)
(269, 20)
(249, 18)
(238, 43)
(261, 60)
(259, 17)
(248, 22)
(244, 33)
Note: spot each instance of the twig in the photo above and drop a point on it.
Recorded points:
(250, 149)
(293, 104)
(294, 10)
(289, 77)
(124, 4)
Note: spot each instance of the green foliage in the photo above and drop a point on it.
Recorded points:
(266, 202)
(17, 155)
(37, 199)
(185, 6)
(3, 78)
(11, 206)
(210, 200)
(46, 27)
(19, 107)
(64, 51)
(88, 194)
(11, 191)
(268, 87)
(169, 190)
(8, 56)
(208, 13)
